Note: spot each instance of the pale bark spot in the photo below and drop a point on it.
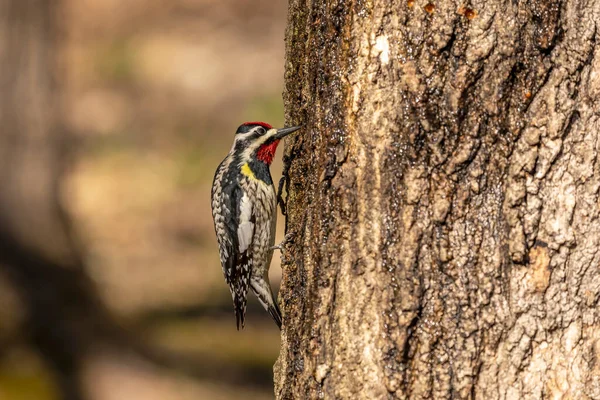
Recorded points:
(539, 262)
(382, 45)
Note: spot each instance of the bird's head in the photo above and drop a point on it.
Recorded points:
(259, 140)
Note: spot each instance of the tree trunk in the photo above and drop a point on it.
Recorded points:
(444, 195)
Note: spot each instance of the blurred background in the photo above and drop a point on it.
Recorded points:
(146, 96)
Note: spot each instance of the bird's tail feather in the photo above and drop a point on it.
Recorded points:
(262, 290)
(239, 307)
(275, 313)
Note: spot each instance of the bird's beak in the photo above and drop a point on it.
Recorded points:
(283, 132)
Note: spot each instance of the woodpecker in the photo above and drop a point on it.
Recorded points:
(244, 208)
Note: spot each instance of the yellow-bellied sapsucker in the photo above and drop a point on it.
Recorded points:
(244, 207)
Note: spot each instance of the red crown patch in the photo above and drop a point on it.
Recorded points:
(263, 124)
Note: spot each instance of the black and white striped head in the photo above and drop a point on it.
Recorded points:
(259, 140)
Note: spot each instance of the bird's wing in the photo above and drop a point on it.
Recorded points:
(238, 265)
(223, 210)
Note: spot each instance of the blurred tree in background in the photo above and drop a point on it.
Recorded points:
(39, 256)
(114, 117)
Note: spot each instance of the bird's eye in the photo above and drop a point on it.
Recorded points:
(261, 130)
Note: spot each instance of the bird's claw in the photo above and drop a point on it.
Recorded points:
(287, 238)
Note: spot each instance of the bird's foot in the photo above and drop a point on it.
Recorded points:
(287, 238)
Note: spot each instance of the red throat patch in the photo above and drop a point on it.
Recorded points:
(266, 152)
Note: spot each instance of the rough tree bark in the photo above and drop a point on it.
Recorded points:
(444, 194)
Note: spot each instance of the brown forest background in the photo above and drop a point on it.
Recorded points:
(153, 91)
